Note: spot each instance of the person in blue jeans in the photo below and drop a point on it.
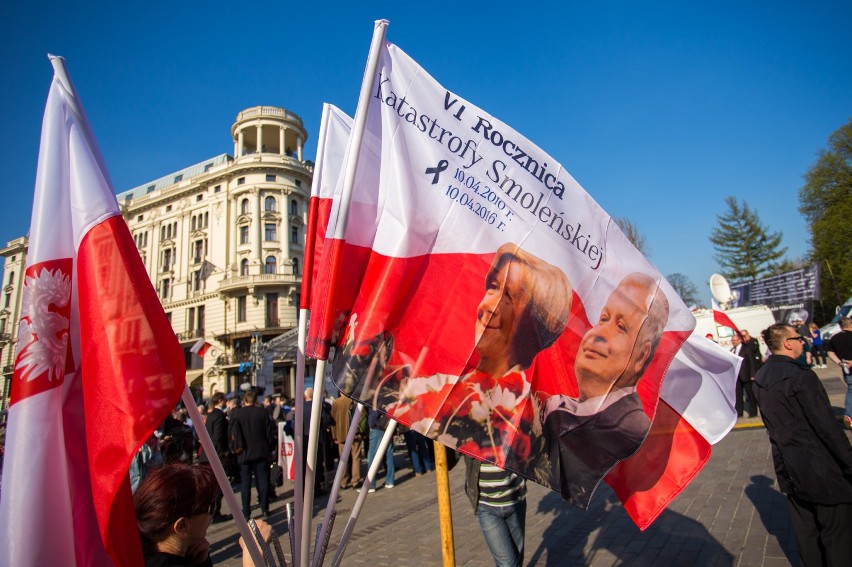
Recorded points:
(419, 451)
(499, 499)
(378, 422)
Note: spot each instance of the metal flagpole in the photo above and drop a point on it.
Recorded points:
(359, 502)
(338, 478)
(339, 234)
(222, 478)
(298, 432)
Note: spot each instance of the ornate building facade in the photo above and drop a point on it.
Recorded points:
(223, 243)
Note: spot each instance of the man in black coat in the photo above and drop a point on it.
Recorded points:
(217, 427)
(253, 433)
(745, 377)
(813, 457)
(587, 436)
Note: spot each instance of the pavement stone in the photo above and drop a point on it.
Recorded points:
(731, 515)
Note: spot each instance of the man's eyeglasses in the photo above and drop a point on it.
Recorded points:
(796, 338)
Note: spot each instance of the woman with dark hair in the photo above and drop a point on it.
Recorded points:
(174, 507)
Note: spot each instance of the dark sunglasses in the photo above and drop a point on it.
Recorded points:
(796, 338)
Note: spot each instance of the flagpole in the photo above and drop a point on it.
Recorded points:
(221, 477)
(310, 469)
(445, 510)
(357, 135)
(387, 439)
(305, 300)
(298, 433)
(338, 479)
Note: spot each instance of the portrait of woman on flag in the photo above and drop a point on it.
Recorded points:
(488, 412)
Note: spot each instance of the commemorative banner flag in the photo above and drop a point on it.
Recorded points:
(98, 366)
(487, 301)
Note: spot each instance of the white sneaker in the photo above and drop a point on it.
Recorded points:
(388, 486)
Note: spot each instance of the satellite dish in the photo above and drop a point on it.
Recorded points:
(720, 290)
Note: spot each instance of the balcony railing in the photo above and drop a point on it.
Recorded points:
(190, 335)
(258, 280)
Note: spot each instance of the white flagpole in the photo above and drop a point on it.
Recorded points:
(357, 135)
(221, 477)
(338, 479)
(298, 432)
(359, 502)
(310, 469)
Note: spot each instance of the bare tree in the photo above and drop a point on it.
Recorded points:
(631, 231)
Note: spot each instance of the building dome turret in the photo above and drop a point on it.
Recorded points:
(268, 130)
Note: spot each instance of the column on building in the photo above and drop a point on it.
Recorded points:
(299, 147)
(233, 209)
(240, 143)
(259, 145)
(282, 131)
(258, 232)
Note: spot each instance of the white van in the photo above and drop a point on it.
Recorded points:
(752, 319)
(834, 325)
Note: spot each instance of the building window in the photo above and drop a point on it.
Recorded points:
(168, 208)
(244, 207)
(217, 189)
(295, 266)
(8, 300)
(241, 181)
(165, 288)
(270, 177)
(294, 207)
(241, 309)
(178, 178)
(150, 189)
(298, 183)
(294, 235)
(244, 267)
(169, 317)
(11, 278)
(270, 232)
(244, 234)
(196, 280)
(269, 205)
(199, 250)
(271, 309)
(200, 327)
(208, 167)
(199, 197)
(168, 260)
(139, 218)
(270, 266)
(190, 319)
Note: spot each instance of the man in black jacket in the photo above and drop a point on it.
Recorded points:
(745, 376)
(813, 457)
(217, 427)
(254, 436)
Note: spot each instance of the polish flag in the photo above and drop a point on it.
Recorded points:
(331, 149)
(200, 347)
(441, 192)
(722, 318)
(98, 366)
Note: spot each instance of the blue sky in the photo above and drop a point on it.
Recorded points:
(660, 110)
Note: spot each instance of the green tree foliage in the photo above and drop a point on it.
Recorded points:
(631, 231)
(745, 249)
(684, 287)
(826, 203)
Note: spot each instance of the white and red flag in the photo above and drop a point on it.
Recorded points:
(721, 318)
(332, 141)
(487, 301)
(98, 366)
(200, 347)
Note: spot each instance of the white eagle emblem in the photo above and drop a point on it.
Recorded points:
(45, 324)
